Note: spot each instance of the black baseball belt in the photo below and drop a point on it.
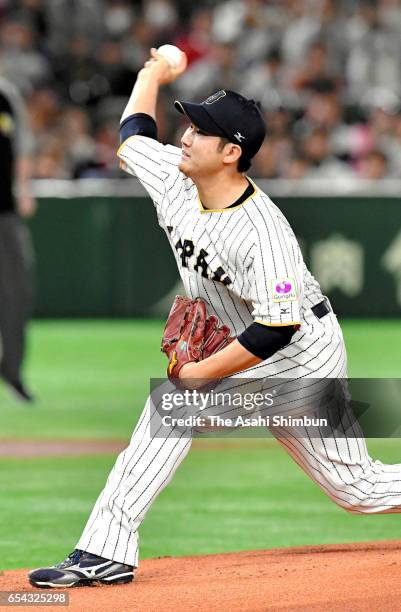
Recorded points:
(321, 309)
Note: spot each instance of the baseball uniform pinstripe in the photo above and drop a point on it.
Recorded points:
(245, 262)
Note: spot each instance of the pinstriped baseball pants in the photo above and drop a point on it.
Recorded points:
(340, 466)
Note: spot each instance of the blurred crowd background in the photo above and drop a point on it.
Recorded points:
(327, 74)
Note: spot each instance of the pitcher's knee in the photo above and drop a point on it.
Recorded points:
(352, 506)
(358, 502)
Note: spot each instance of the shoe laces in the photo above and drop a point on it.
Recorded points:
(72, 559)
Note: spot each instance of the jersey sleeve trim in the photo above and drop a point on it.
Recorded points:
(124, 143)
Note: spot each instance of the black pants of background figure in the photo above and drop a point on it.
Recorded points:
(16, 293)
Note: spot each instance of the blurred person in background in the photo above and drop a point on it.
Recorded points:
(76, 138)
(43, 108)
(118, 17)
(162, 16)
(374, 60)
(195, 40)
(316, 73)
(104, 163)
(260, 32)
(329, 62)
(390, 14)
(219, 66)
(113, 76)
(16, 254)
(325, 111)
(278, 147)
(76, 73)
(296, 168)
(135, 44)
(20, 59)
(267, 162)
(333, 31)
(301, 28)
(392, 147)
(32, 12)
(315, 147)
(78, 18)
(373, 166)
(50, 159)
(265, 81)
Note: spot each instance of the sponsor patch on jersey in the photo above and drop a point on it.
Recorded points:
(283, 290)
(216, 96)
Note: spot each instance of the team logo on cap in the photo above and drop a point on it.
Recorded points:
(216, 96)
(283, 290)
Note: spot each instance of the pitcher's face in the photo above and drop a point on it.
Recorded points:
(201, 153)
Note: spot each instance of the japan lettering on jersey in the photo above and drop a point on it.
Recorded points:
(244, 261)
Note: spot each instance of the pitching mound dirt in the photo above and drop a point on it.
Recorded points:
(58, 448)
(357, 577)
(70, 448)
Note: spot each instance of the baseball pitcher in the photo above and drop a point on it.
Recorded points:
(243, 271)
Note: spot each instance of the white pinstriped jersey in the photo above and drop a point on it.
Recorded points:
(244, 261)
(232, 259)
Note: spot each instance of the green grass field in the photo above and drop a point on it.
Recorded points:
(92, 379)
(236, 499)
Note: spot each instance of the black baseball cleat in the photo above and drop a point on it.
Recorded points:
(81, 569)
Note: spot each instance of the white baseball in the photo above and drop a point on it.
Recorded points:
(172, 54)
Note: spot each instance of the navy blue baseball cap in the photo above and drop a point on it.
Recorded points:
(229, 115)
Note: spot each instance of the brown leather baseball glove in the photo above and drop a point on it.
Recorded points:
(190, 335)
